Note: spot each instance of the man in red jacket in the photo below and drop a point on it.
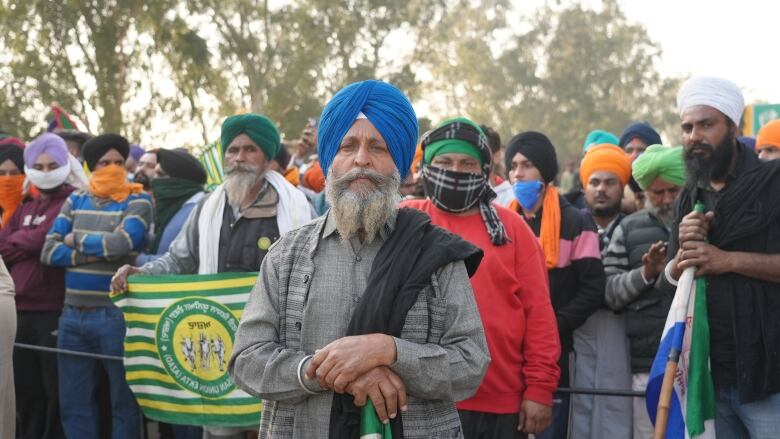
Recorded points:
(40, 289)
(511, 286)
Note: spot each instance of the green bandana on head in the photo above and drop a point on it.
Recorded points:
(447, 146)
(259, 128)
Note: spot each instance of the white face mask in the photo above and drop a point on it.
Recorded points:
(48, 180)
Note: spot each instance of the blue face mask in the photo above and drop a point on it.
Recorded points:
(528, 193)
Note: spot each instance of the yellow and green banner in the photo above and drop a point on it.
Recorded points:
(211, 159)
(180, 332)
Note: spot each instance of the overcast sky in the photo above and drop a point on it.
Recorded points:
(737, 40)
(732, 39)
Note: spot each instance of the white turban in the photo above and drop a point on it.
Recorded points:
(720, 94)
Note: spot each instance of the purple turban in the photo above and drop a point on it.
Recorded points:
(48, 143)
(136, 151)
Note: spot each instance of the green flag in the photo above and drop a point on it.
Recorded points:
(180, 332)
(370, 425)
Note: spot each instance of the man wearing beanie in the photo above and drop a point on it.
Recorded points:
(633, 262)
(734, 247)
(366, 312)
(177, 188)
(600, 343)
(96, 232)
(232, 228)
(11, 177)
(40, 289)
(570, 245)
(510, 286)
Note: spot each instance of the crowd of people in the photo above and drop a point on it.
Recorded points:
(452, 280)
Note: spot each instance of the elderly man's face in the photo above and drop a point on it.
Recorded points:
(603, 194)
(363, 148)
(243, 151)
(363, 182)
(660, 196)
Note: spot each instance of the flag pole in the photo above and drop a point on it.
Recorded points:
(665, 399)
(667, 385)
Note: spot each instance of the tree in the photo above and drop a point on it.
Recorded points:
(565, 72)
(91, 57)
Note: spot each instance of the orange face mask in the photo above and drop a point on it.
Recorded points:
(111, 182)
(10, 194)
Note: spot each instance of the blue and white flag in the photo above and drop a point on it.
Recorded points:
(692, 408)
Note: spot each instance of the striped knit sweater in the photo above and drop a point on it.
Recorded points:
(577, 282)
(107, 235)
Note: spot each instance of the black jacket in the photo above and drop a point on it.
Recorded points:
(747, 219)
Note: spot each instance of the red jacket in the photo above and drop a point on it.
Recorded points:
(38, 287)
(512, 293)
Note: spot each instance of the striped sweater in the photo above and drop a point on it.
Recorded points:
(106, 234)
(577, 282)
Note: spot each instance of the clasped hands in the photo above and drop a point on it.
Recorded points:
(358, 365)
(695, 251)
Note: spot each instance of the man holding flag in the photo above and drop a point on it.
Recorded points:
(231, 229)
(730, 352)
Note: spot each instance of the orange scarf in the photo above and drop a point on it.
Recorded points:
(11, 195)
(111, 182)
(293, 176)
(550, 233)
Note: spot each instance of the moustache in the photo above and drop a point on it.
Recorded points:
(372, 176)
(706, 147)
(241, 168)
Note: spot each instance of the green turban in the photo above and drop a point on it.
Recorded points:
(447, 146)
(258, 127)
(659, 161)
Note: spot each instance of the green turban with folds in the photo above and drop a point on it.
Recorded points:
(659, 161)
(258, 127)
(455, 145)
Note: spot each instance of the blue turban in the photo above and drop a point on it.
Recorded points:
(642, 131)
(384, 106)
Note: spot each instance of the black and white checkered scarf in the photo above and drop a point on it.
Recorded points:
(438, 183)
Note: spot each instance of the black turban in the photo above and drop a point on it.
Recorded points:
(98, 146)
(283, 157)
(13, 153)
(538, 149)
(181, 164)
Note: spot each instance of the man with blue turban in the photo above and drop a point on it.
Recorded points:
(366, 313)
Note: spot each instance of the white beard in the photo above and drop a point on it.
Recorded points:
(360, 213)
(239, 180)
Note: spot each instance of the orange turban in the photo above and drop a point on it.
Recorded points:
(605, 157)
(418, 156)
(769, 134)
(314, 178)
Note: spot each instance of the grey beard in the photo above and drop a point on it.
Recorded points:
(239, 180)
(665, 214)
(358, 213)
